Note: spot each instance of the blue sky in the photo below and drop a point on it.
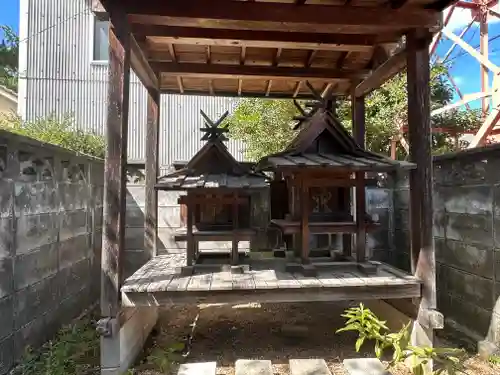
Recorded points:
(464, 68)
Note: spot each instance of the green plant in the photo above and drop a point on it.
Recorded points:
(60, 131)
(164, 359)
(494, 359)
(370, 327)
(74, 350)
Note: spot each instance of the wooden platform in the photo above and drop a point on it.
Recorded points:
(159, 283)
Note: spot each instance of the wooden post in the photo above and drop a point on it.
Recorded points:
(234, 249)
(189, 235)
(358, 129)
(115, 164)
(304, 221)
(421, 215)
(152, 143)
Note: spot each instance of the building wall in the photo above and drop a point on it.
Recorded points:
(50, 240)
(467, 241)
(58, 76)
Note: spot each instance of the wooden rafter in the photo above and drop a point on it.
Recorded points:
(240, 15)
(256, 72)
(261, 38)
(243, 55)
(209, 55)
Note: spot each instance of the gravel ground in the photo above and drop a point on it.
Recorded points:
(274, 332)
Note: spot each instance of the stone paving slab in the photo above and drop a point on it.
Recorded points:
(309, 367)
(253, 367)
(364, 366)
(202, 368)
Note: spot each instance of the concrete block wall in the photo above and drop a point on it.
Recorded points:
(50, 241)
(467, 241)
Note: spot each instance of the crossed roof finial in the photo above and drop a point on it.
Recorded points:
(212, 130)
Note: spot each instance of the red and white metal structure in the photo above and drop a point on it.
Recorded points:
(481, 13)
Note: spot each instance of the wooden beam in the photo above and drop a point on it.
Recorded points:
(267, 15)
(260, 39)
(384, 72)
(247, 94)
(253, 71)
(423, 262)
(234, 242)
(152, 152)
(358, 129)
(141, 67)
(437, 36)
(115, 174)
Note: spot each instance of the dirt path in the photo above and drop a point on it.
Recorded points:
(274, 332)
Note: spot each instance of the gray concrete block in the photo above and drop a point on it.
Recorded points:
(253, 367)
(33, 335)
(202, 368)
(35, 197)
(309, 367)
(34, 301)
(72, 279)
(34, 231)
(476, 229)
(6, 276)
(364, 366)
(73, 224)
(6, 354)
(6, 198)
(7, 314)
(472, 288)
(474, 200)
(169, 217)
(74, 196)
(134, 216)
(475, 259)
(74, 250)
(6, 237)
(168, 198)
(35, 266)
(377, 198)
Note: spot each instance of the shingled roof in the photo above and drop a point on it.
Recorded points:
(323, 142)
(213, 166)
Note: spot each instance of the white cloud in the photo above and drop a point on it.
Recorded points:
(461, 17)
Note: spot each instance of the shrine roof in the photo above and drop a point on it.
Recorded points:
(323, 142)
(213, 166)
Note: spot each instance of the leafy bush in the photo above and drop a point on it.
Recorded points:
(58, 131)
(370, 327)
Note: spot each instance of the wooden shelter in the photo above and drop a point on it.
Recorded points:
(270, 49)
(218, 200)
(316, 172)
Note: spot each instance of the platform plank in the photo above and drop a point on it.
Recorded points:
(264, 281)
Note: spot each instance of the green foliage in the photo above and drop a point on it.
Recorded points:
(9, 52)
(164, 359)
(263, 124)
(370, 327)
(75, 350)
(61, 132)
(494, 360)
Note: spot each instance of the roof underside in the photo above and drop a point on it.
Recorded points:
(271, 47)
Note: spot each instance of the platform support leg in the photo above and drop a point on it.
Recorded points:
(421, 212)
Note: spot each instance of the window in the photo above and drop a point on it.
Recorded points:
(100, 45)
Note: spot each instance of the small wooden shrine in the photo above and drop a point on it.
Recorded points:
(218, 200)
(313, 179)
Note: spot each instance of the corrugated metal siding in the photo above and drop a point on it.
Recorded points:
(62, 79)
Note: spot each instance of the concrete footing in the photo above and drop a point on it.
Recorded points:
(119, 351)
